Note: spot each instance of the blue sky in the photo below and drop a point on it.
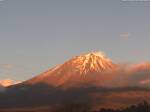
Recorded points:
(36, 35)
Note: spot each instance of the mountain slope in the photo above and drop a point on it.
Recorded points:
(80, 69)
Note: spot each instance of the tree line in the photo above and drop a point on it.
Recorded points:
(141, 107)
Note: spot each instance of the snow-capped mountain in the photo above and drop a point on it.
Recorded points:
(89, 77)
(79, 68)
(92, 62)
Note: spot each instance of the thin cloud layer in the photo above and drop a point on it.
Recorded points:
(125, 35)
(133, 76)
(7, 66)
(146, 81)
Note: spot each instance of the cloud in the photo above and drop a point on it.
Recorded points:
(8, 82)
(125, 35)
(135, 75)
(143, 82)
(140, 73)
(7, 66)
(8, 69)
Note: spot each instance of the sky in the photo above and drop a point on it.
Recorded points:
(36, 35)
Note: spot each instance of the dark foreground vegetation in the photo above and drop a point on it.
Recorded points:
(141, 107)
(78, 107)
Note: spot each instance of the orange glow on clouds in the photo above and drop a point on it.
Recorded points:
(8, 82)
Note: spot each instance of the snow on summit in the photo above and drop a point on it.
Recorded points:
(94, 61)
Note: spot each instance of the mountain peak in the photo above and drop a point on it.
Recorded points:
(92, 62)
